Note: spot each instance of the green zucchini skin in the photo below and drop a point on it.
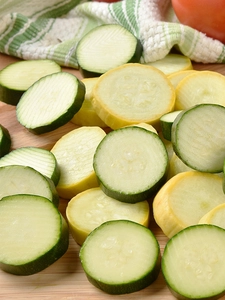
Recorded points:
(67, 116)
(124, 287)
(10, 172)
(128, 198)
(9, 96)
(128, 288)
(175, 291)
(14, 82)
(119, 193)
(214, 116)
(40, 159)
(46, 260)
(101, 57)
(64, 117)
(5, 143)
(134, 59)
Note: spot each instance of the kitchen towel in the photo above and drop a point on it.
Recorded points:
(33, 29)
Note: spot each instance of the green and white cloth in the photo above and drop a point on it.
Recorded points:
(34, 29)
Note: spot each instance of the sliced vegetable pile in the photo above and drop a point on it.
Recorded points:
(152, 140)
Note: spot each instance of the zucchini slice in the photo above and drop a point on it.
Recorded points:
(172, 63)
(91, 208)
(193, 263)
(39, 159)
(131, 164)
(132, 94)
(33, 234)
(166, 122)
(5, 141)
(16, 179)
(17, 77)
(198, 137)
(121, 257)
(50, 102)
(106, 47)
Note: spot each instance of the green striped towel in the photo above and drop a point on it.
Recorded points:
(51, 29)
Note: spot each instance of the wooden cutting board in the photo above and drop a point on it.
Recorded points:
(65, 279)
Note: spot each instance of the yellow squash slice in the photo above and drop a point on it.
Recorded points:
(133, 93)
(176, 77)
(89, 209)
(185, 199)
(216, 216)
(74, 153)
(200, 87)
(172, 63)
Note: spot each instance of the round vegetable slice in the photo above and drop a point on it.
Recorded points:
(33, 234)
(39, 159)
(74, 153)
(132, 94)
(172, 63)
(200, 87)
(17, 77)
(91, 208)
(166, 122)
(131, 164)
(5, 141)
(106, 47)
(50, 102)
(215, 216)
(198, 139)
(16, 179)
(87, 116)
(121, 257)
(193, 263)
(176, 77)
(185, 199)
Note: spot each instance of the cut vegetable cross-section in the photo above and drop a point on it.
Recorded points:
(106, 47)
(74, 153)
(132, 94)
(185, 199)
(198, 137)
(91, 208)
(17, 77)
(172, 63)
(121, 257)
(39, 159)
(131, 164)
(16, 179)
(193, 263)
(200, 87)
(33, 234)
(50, 102)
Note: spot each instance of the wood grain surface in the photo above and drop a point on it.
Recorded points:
(65, 279)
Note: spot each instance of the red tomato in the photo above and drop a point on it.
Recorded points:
(207, 16)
